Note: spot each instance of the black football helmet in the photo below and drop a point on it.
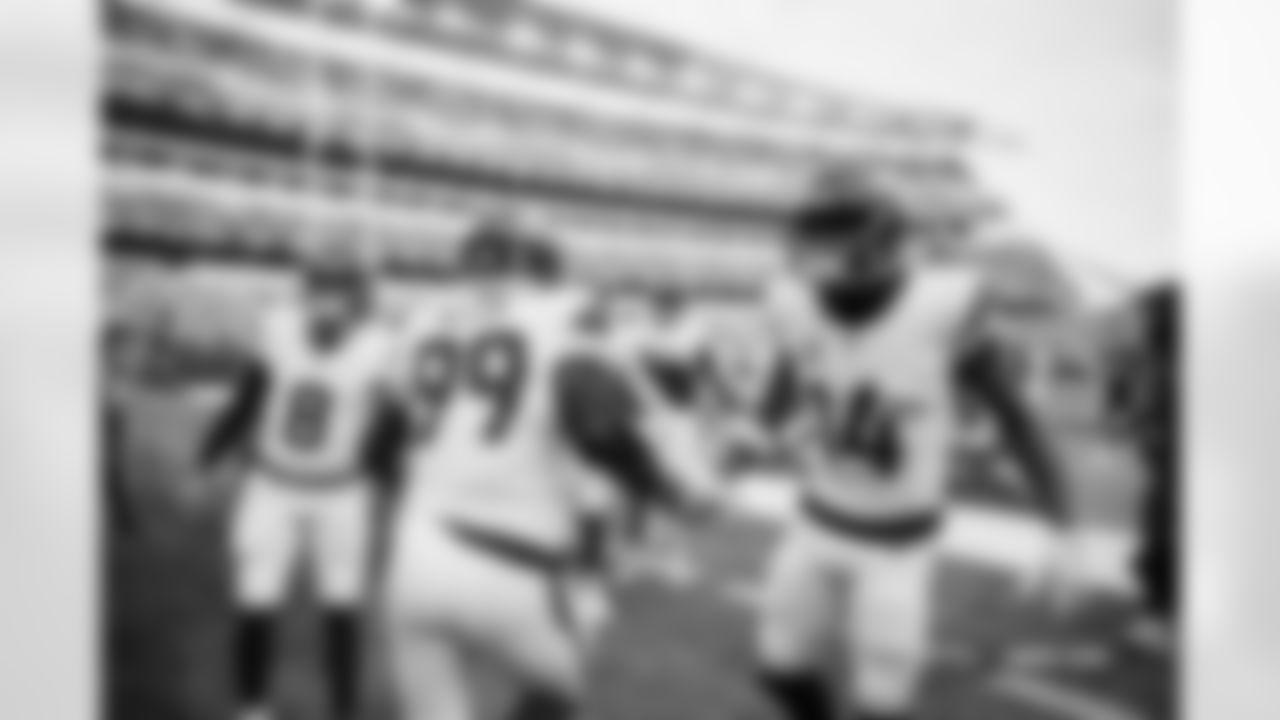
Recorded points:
(851, 238)
(496, 248)
(851, 247)
(338, 291)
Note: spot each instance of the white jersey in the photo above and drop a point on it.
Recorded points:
(477, 373)
(320, 401)
(739, 360)
(694, 340)
(690, 426)
(878, 415)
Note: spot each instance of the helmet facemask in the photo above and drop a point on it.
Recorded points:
(852, 251)
(336, 302)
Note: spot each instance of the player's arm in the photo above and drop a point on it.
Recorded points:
(233, 428)
(782, 410)
(676, 377)
(388, 440)
(391, 427)
(981, 374)
(782, 397)
(599, 413)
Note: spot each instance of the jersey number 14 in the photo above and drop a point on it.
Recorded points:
(863, 425)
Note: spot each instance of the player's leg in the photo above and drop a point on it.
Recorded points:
(549, 639)
(538, 614)
(343, 527)
(796, 616)
(889, 630)
(505, 610)
(266, 542)
(422, 619)
(429, 672)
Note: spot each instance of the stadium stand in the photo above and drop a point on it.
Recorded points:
(231, 138)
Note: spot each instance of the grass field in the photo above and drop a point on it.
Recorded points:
(676, 654)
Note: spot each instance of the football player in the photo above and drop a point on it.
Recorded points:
(510, 402)
(669, 350)
(873, 352)
(299, 434)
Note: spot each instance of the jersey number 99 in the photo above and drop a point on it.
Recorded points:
(491, 367)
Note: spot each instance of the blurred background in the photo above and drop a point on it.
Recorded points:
(663, 144)
(240, 134)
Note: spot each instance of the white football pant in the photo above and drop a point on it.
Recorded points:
(447, 600)
(874, 599)
(280, 528)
